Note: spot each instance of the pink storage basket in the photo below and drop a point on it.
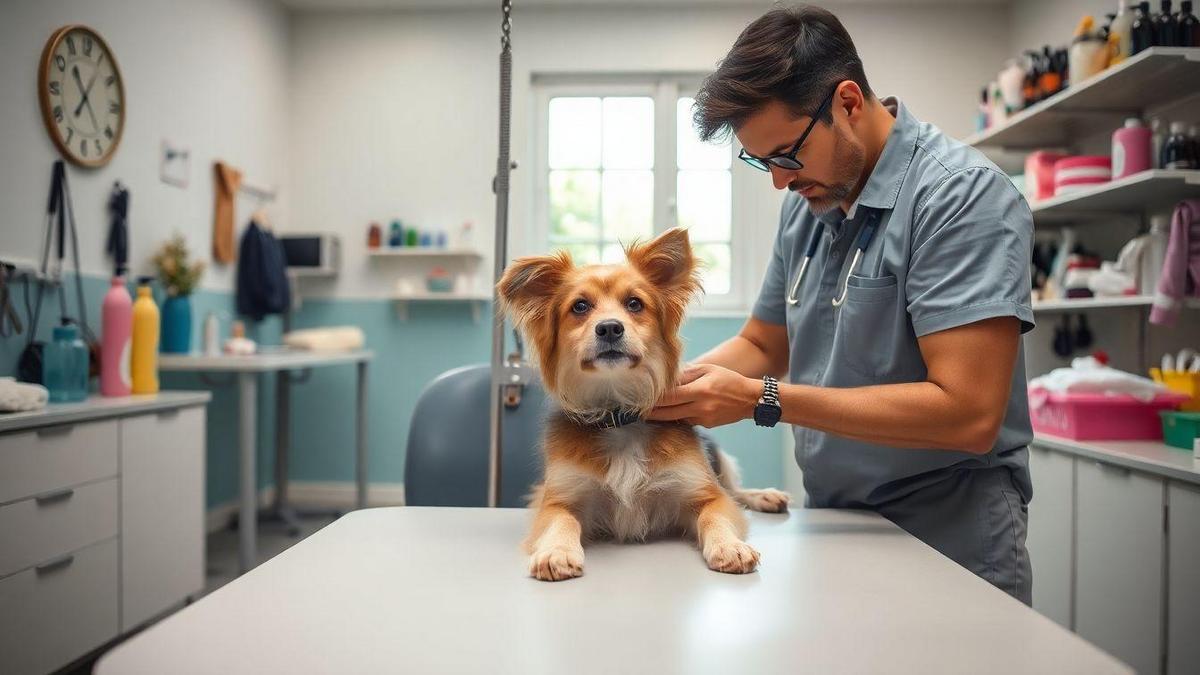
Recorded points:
(1099, 417)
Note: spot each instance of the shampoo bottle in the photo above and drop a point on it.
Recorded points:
(116, 326)
(144, 359)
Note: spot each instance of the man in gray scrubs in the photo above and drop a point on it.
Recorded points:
(901, 338)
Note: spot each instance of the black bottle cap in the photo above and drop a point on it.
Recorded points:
(145, 280)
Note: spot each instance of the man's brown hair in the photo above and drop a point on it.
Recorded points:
(794, 55)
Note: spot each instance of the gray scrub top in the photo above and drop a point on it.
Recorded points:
(953, 247)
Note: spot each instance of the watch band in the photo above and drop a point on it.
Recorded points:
(768, 412)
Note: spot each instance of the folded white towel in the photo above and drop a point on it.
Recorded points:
(20, 396)
(1088, 376)
(333, 339)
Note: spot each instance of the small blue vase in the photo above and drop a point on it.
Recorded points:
(177, 325)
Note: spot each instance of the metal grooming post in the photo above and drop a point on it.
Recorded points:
(500, 187)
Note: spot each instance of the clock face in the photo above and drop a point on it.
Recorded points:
(82, 95)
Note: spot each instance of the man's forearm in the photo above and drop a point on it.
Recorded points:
(740, 355)
(909, 415)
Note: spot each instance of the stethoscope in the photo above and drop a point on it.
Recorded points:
(865, 235)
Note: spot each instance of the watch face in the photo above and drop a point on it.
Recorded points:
(767, 415)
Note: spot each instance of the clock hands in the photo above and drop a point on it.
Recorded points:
(84, 92)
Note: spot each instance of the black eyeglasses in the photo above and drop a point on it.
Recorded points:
(787, 160)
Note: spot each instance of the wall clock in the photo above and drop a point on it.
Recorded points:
(82, 96)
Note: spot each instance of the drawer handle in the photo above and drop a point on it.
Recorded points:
(169, 413)
(53, 496)
(55, 564)
(60, 430)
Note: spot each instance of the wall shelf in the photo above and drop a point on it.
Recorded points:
(1081, 304)
(405, 252)
(1154, 77)
(1156, 189)
(477, 301)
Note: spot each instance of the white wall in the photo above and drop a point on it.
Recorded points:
(210, 75)
(394, 114)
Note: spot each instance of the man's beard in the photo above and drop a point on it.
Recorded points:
(848, 160)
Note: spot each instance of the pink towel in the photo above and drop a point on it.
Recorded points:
(1181, 270)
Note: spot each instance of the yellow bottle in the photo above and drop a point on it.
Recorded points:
(143, 360)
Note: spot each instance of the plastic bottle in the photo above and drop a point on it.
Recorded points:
(212, 335)
(1164, 27)
(1142, 30)
(1089, 52)
(1177, 152)
(144, 358)
(1154, 255)
(1188, 26)
(1130, 149)
(1158, 138)
(116, 325)
(397, 236)
(65, 365)
(1120, 40)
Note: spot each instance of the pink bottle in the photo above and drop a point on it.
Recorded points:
(116, 323)
(1130, 149)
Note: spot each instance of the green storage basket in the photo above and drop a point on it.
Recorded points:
(1180, 429)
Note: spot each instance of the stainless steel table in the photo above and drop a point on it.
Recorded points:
(246, 369)
(439, 590)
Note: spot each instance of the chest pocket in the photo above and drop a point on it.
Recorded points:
(872, 342)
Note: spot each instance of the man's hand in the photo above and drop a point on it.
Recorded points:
(710, 396)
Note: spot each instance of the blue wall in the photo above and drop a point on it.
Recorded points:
(409, 353)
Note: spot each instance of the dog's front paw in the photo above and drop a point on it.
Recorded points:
(556, 564)
(735, 557)
(768, 500)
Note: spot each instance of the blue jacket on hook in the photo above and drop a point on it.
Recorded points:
(262, 283)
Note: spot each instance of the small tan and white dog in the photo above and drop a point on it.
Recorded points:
(607, 344)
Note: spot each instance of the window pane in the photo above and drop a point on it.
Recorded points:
(614, 254)
(628, 132)
(628, 204)
(574, 133)
(692, 153)
(704, 204)
(716, 272)
(582, 254)
(575, 204)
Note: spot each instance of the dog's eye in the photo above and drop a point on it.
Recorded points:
(580, 307)
(633, 305)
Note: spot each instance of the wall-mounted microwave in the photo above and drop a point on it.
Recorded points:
(317, 254)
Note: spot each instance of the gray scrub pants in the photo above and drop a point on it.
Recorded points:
(976, 518)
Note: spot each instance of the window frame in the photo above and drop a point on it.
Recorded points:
(746, 260)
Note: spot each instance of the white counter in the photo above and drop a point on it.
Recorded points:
(98, 407)
(1153, 457)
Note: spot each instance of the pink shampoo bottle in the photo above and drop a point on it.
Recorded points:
(116, 323)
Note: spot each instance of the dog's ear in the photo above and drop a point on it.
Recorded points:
(667, 262)
(529, 285)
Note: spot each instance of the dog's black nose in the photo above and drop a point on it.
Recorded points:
(610, 330)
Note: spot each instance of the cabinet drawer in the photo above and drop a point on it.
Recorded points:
(59, 611)
(54, 523)
(55, 457)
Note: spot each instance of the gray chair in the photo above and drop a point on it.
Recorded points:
(447, 460)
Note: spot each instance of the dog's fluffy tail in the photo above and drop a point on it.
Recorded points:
(768, 500)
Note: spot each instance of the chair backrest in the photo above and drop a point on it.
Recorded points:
(447, 459)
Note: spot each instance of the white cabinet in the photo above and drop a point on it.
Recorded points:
(1119, 562)
(162, 512)
(1183, 565)
(59, 610)
(101, 523)
(1051, 530)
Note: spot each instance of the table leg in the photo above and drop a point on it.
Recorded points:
(360, 467)
(247, 437)
(283, 444)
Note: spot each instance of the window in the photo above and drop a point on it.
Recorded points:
(621, 161)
